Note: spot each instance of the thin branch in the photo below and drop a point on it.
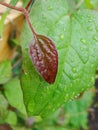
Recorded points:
(28, 5)
(24, 11)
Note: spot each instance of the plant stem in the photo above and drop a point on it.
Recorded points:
(28, 5)
(25, 12)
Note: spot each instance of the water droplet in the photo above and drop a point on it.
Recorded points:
(89, 20)
(62, 36)
(74, 69)
(96, 38)
(90, 28)
(50, 8)
(83, 41)
(31, 107)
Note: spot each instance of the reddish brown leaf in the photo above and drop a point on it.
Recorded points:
(44, 56)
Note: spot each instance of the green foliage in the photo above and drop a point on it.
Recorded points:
(71, 116)
(14, 94)
(2, 23)
(3, 107)
(11, 118)
(75, 34)
(76, 111)
(5, 71)
(76, 40)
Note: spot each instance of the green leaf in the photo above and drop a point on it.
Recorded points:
(20, 128)
(14, 95)
(77, 111)
(2, 23)
(94, 3)
(5, 71)
(25, 2)
(11, 118)
(76, 39)
(3, 107)
(88, 4)
(13, 2)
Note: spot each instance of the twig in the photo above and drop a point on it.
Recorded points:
(24, 11)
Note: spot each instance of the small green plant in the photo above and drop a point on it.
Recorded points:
(64, 53)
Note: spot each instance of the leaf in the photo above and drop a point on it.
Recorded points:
(2, 23)
(44, 56)
(76, 39)
(14, 95)
(20, 128)
(77, 111)
(94, 3)
(3, 107)
(11, 118)
(5, 71)
(88, 4)
(25, 2)
(13, 2)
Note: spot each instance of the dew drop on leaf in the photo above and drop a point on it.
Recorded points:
(61, 36)
(89, 28)
(83, 41)
(44, 56)
(90, 20)
(96, 38)
(74, 69)
(50, 8)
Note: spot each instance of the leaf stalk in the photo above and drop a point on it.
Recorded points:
(25, 12)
